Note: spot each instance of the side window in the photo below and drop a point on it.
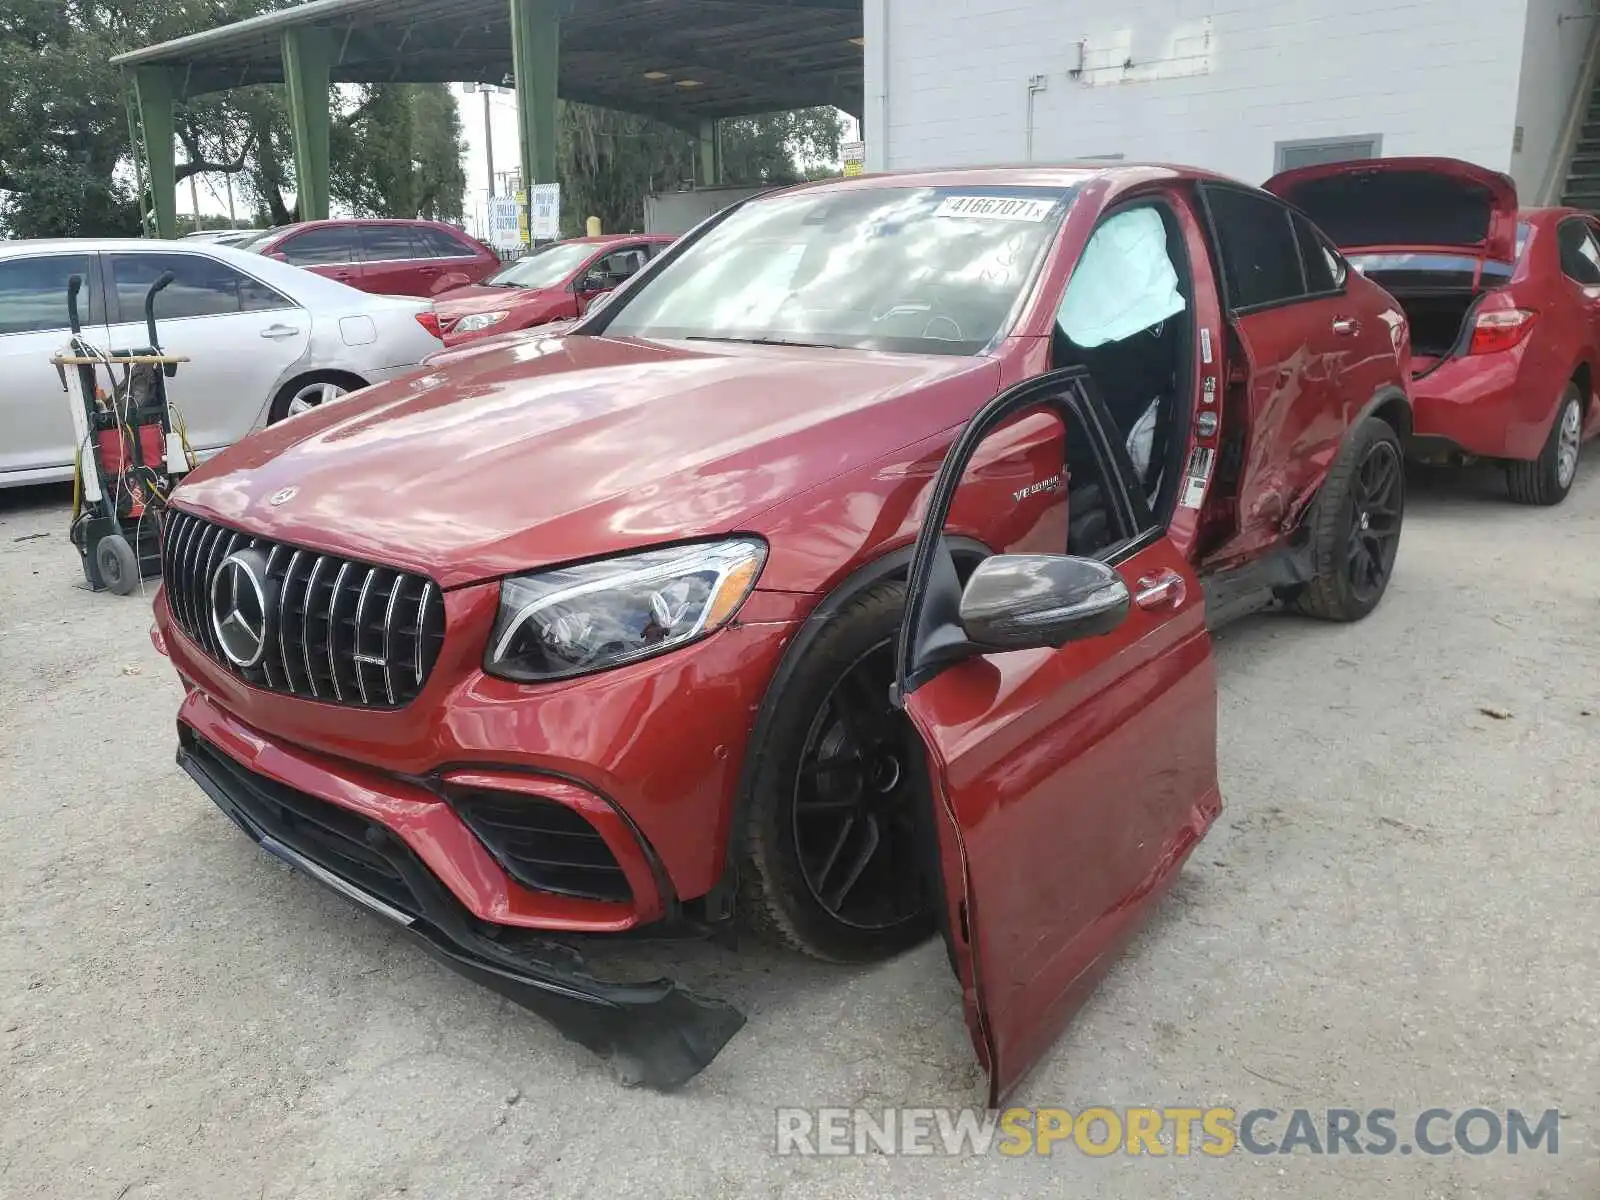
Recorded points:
(620, 264)
(321, 247)
(1325, 270)
(1580, 257)
(442, 244)
(1260, 254)
(201, 287)
(33, 293)
(1045, 482)
(390, 243)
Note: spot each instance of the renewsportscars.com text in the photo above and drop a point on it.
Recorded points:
(1101, 1131)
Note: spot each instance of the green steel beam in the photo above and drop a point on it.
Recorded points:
(710, 174)
(308, 54)
(536, 64)
(152, 90)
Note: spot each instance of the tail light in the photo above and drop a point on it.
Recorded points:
(429, 320)
(1500, 330)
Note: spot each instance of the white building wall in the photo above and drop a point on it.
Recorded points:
(1213, 83)
(1554, 53)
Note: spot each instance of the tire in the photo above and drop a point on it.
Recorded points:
(117, 564)
(308, 392)
(806, 788)
(1355, 535)
(1547, 479)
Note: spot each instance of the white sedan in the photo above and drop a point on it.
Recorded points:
(265, 339)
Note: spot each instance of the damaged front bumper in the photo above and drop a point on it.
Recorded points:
(655, 1034)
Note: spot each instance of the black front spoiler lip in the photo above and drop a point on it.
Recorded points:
(655, 1034)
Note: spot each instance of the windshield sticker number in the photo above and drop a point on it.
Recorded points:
(995, 208)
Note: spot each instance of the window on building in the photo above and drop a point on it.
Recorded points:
(1291, 156)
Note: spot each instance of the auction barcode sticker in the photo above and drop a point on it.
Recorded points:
(995, 208)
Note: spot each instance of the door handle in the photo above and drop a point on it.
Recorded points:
(279, 331)
(1162, 590)
(1345, 326)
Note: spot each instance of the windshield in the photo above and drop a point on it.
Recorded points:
(545, 267)
(918, 270)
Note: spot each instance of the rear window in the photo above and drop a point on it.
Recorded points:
(1396, 208)
(1429, 272)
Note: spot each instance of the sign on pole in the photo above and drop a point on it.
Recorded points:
(544, 211)
(855, 158)
(507, 223)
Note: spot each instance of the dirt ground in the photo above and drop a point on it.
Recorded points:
(1399, 909)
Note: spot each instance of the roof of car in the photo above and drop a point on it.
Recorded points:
(1059, 175)
(605, 239)
(92, 244)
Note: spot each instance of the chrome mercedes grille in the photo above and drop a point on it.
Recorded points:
(309, 624)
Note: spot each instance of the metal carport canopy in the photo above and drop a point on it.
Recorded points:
(687, 62)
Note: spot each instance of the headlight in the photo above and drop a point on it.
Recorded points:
(574, 620)
(479, 321)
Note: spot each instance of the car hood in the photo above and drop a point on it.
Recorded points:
(552, 449)
(477, 297)
(1426, 203)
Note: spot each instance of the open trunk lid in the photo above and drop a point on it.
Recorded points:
(1417, 203)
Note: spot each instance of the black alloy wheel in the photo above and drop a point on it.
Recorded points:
(1379, 495)
(854, 806)
(835, 852)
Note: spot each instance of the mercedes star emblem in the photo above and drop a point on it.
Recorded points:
(240, 613)
(282, 497)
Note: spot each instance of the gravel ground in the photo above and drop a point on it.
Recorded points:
(1397, 909)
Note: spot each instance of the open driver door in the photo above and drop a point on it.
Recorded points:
(1067, 706)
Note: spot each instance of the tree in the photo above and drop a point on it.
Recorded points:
(64, 150)
(63, 125)
(397, 153)
(609, 161)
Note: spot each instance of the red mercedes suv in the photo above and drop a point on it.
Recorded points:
(846, 575)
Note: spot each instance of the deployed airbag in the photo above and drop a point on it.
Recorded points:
(1125, 282)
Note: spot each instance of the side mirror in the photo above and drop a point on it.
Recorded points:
(1029, 601)
(276, 255)
(594, 281)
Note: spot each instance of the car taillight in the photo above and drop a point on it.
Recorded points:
(1500, 330)
(429, 320)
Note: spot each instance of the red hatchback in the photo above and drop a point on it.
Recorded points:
(388, 258)
(1504, 310)
(848, 574)
(558, 282)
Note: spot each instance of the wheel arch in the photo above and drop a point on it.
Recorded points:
(300, 378)
(1391, 406)
(1583, 375)
(892, 565)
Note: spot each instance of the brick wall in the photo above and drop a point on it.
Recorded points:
(1216, 83)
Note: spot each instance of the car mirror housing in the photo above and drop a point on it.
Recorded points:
(1029, 601)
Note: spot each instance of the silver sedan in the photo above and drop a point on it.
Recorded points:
(265, 340)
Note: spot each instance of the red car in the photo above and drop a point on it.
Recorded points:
(1505, 313)
(557, 282)
(389, 258)
(846, 576)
